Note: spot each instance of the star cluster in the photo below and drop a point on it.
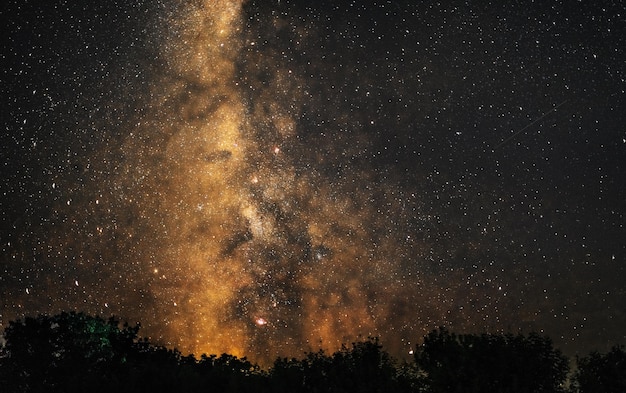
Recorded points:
(265, 179)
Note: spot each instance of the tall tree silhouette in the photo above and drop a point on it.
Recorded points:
(491, 363)
(65, 352)
(601, 373)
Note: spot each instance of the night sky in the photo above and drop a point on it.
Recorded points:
(268, 178)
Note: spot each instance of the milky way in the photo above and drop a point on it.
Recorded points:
(266, 180)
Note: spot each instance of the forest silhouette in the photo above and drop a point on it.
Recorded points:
(76, 352)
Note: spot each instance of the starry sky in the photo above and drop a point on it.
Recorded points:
(267, 178)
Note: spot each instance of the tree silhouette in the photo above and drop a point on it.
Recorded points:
(64, 352)
(228, 373)
(601, 373)
(490, 363)
(364, 367)
(74, 352)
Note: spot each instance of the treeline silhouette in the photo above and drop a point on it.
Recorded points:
(75, 352)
